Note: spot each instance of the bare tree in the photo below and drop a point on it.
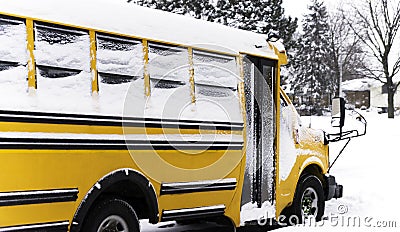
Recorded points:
(380, 22)
(347, 55)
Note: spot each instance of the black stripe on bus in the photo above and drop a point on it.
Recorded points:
(103, 120)
(192, 213)
(48, 227)
(197, 186)
(38, 197)
(97, 144)
(11, 20)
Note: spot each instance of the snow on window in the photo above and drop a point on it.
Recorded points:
(13, 58)
(63, 78)
(119, 60)
(168, 63)
(169, 75)
(12, 41)
(62, 47)
(119, 65)
(214, 69)
(216, 78)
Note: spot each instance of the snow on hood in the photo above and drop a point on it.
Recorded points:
(131, 19)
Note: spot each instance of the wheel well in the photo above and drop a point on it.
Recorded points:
(125, 184)
(311, 169)
(131, 193)
(314, 170)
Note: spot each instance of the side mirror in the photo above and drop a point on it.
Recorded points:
(338, 112)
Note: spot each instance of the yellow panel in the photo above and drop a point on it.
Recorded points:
(26, 170)
(173, 166)
(46, 169)
(32, 214)
(231, 199)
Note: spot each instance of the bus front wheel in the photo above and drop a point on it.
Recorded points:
(309, 201)
(112, 215)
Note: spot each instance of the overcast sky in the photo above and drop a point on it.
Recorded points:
(296, 8)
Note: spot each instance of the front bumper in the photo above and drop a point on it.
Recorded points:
(332, 189)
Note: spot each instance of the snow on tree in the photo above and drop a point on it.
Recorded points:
(261, 16)
(311, 76)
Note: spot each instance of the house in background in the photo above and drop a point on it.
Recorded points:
(379, 97)
(357, 92)
(366, 93)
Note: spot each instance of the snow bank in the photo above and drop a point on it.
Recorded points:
(250, 212)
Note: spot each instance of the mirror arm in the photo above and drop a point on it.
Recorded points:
(349, 134)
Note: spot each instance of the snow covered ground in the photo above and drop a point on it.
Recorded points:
(368, 170)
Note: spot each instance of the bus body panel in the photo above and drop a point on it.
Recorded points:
(51, 163)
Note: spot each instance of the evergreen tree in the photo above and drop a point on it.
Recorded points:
(261, 16)
(312, 76)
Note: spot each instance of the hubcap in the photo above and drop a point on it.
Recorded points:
(309, 203)
(113, 223)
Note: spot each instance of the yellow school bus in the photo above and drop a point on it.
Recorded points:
(147, 115)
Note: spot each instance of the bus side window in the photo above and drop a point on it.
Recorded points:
(13, 58)
(216, 80)
(63, 68)
(120, 73)
(168, 66)
(169, 78)
(119, 60)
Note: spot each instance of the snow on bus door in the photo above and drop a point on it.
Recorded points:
(260, 79)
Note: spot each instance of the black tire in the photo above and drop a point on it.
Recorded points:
(111, 213)
(309, 201)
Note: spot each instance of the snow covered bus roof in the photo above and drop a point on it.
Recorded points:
(118, 16)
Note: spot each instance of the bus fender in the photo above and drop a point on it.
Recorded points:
(107, 181)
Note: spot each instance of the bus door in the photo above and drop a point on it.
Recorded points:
(260, 87)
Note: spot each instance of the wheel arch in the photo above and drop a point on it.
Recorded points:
(313, 166)
(308, 170)
(313, 169)
(125, 183)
